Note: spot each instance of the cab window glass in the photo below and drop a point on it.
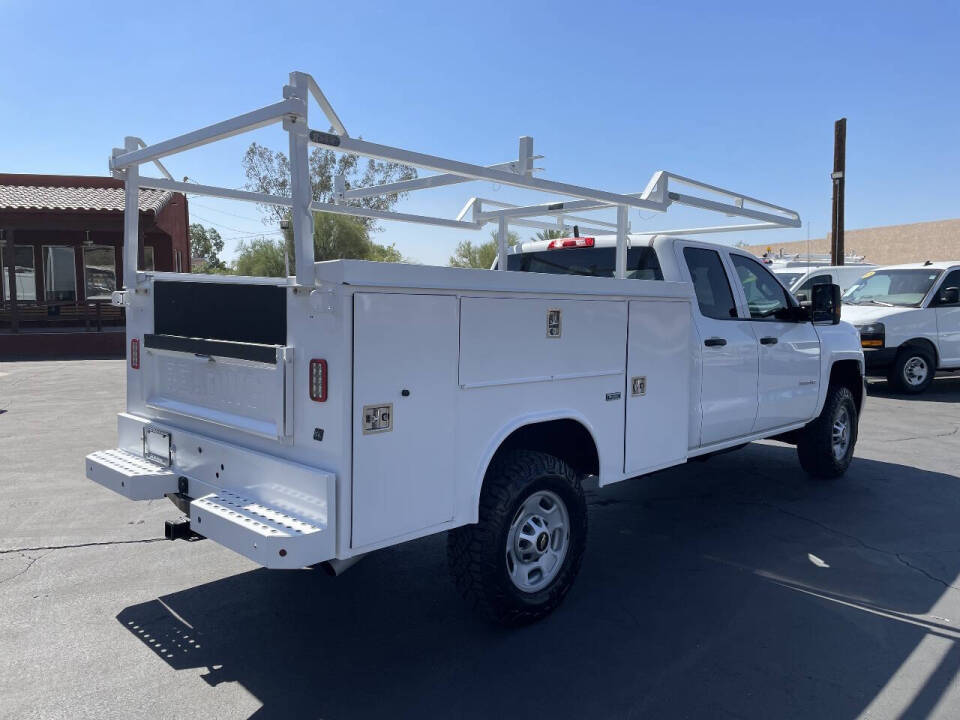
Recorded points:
(951, 280)
(892, 287)
(765, 296)
(710, 283)
(642, 263)
(815, 280)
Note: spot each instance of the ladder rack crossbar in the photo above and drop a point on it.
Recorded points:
(292, 112)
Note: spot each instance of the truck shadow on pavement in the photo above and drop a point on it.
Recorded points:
(733, 587)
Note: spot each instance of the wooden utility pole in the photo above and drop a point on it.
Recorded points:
(839, 171)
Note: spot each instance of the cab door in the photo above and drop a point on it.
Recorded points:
(726, 346)
(789, 380)
(948, 323)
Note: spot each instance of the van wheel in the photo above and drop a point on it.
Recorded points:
(912, 371)
(517, 563)
(825, 446)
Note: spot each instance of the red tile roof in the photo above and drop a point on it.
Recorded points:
(68, 193)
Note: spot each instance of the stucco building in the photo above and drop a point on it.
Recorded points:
(62, 257)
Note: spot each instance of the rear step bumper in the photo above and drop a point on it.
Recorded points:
(277, 513)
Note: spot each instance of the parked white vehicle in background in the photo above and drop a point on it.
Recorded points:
(909, 321)
(359, 405)
(800, 282)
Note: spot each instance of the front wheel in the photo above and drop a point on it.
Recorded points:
(825, 446)
(517, 563)
(912, 370)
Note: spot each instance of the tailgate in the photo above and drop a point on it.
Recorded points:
(243, 386)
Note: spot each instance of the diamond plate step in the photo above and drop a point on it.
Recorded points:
(266, 535)
(129, 474)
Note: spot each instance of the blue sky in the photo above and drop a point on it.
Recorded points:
(737, 94)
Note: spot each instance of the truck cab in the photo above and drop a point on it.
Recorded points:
(760, 364)
(908, 317)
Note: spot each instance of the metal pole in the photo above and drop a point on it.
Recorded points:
(839, 171)
(301, 218)
(621, 260)
(131, 218)
(8, 236)
(502, 243)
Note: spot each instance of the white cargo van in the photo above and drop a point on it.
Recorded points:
(909, 321)
(800, 283)
(357, 405)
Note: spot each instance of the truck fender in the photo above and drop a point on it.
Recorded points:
(829, 362)
(506, 431)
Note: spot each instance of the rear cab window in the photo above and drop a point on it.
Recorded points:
(642, 262)
(710, 283)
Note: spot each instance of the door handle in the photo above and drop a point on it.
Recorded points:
(768, 341)
(715, 342)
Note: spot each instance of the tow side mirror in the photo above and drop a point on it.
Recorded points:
(825, 304)
(949, 296)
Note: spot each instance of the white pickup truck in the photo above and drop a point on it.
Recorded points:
(357, 405)
(909, 321)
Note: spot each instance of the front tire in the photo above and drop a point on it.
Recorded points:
(517, 563)
(825, 446)
(912, 370)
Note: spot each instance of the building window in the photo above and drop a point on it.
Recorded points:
(59, 274)
(148, 261)
(25, 271)
(99, 272)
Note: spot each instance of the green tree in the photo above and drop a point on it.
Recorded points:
(334, 236)
(338, 237)
(260, 257)
(481, 255)
(268, 171)
(205, 248)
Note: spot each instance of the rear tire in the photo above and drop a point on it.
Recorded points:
(517, 563)
(825, 446)
(912, 370)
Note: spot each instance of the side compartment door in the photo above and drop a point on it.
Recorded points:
(789, 381)
(658, 384)
(727, 347)
(405, 350)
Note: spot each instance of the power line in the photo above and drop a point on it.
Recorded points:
(216, 224)
(224, 212)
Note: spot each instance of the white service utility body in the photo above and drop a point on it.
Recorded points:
(358, 405)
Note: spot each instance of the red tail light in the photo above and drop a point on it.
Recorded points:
(318, 380)
(135, 353)
(570, 242)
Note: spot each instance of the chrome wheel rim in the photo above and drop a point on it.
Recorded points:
(915, 371)
(537, 542)
(840, 435)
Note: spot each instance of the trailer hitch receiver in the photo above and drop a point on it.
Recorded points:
(180, 530)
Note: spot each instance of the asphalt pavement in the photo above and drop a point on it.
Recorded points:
(733, 588)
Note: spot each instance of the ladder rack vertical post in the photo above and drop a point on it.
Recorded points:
(621, 259)
(502, 243)
(131, 218)
(301, 192)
